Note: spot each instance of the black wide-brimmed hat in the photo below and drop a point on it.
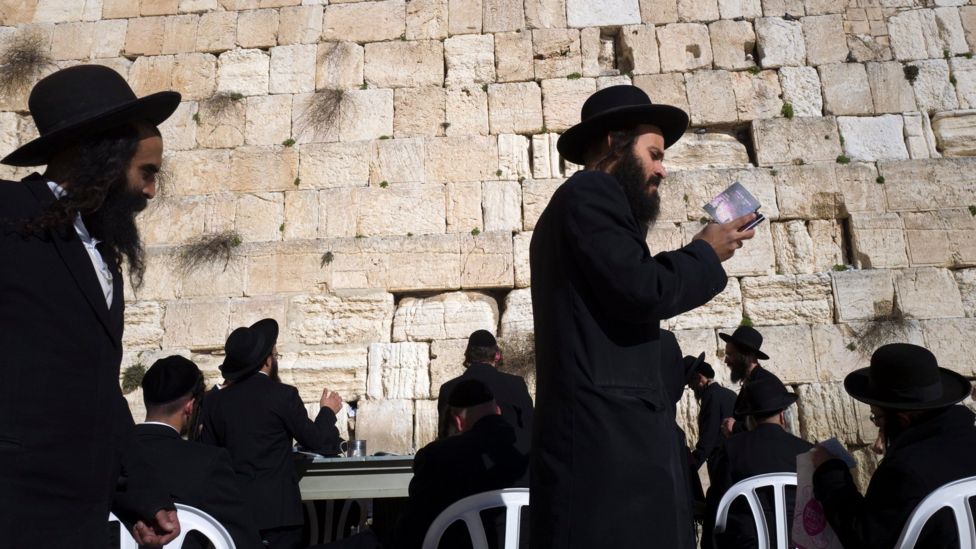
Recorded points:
(169, 379)
(617, 108)
(747, 338)
(247, 348)
(903, 376)
(764, 397)
(83, 100)
(692, 363)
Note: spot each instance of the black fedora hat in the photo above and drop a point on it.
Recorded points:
(903, 376)
(764, 397)
(692, 363)
(747, 338)
(616, 108)
(83, 100)
(247, 347)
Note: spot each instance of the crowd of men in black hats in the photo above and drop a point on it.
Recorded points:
(599, 448)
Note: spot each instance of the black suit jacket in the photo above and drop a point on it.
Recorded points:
(921, 460)
(446, 470)
(256, 419)
(602, 404)
(511, 395)
(198, 475)
(766, 449)
(757, 374)
(64, 425)
(717, 403)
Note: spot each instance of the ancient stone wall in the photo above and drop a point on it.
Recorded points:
(369, 174)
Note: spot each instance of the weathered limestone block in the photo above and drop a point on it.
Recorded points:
(301, 215)
(869, 139)
(299, 25)
(398, 370)
(143, 326)
(257, 28)
(779, 42)
(922, 34)
(517, 319)
(260, 216)
(665, 237)
(863, 295)
(919, 137)
(293, 69)
(341, 369)
(502, 205)
(419, 112)
(196, 324)
(746, 9)
(290, 267)
(659, 12)
(698, 10)
(464, 207)
(243, 71)
(264, 124)
(446, 362)
(546, 161)
(929, 184)
(446, 316)
(461, 158)
(824, 38)
(405, 64)
(823, 7)
(556, 53)
(513, 159)
(545, 14)
(951, 341)
(330, 165)
(376, 211)
(217, 32)
(964, 72)
(928, 235)
(801, 89)
(397, 161)
(639, 50)
(465, 16)
(386, 424)
(934, 90)
(788, 299)
(784, 140)
(725, 309)
(890, 90)
(180, 34)
(757, 257)
(173, 219)
(111, 38)
(707, 150)
(340, 319)
(466, 109)
(732, 42)
(665, 88)
(151, 74)
(503, 15)
(192, 172)
(928, 292)
(956, 132)
(486, 260)
(144, 36)
(523, 271)
(73, 41)
(223, 278)
(469, 59)
(966, 280)
(580, 13)
(878, 241)
(826, 411)
(365, 21)
(791, 352)
(808, 247)
(846, 89)
(779, 8)
(684, 47)
(967, 16)
(194, 75)
(562, 99)
(535, 198)
(366, 114)
(339, 65)
(425, 422)
(513, 56)
(399, 264)
(686, 192)
(842, 348)
(757, 96)
(515, 107)
(222, 122)
(179, 131)
(426, 19)
(709, 98)
(263, 169)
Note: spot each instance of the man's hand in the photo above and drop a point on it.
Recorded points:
(727, 425)
(331, 400)
(162, 529)
(726, 238)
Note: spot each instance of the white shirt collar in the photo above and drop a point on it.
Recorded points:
(160, 423)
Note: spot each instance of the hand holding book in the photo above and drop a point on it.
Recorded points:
(736, 213)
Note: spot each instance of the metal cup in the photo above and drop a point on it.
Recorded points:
(353, 448)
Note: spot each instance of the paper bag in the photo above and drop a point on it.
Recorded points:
(810, 528)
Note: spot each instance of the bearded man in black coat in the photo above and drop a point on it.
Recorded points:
(64, 425)
(606, 461)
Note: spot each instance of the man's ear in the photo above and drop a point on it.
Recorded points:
(458, 422)
(188, 407)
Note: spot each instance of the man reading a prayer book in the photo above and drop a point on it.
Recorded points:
(606, 465)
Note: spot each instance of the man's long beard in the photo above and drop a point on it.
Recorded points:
(644, 201)
(114, 223)
(738, 369)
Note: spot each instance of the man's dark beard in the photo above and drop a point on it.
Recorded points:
(114, 223)
(738, 369)
(645, 203)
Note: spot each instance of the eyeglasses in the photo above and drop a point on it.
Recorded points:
(276, 355)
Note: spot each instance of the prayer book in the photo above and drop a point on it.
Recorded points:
(735, 201)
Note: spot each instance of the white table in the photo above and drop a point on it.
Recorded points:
(355, 478)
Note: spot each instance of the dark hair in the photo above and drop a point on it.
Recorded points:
(621, 141)
(475, 354)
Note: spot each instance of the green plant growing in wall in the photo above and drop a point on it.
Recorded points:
(911, 73)
(132, 377)
(322, 111)
(208, 249)
(843, 159)
(22, 62)
(787, 110)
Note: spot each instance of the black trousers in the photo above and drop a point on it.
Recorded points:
(288, 537)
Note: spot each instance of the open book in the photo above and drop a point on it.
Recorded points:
(735, 201)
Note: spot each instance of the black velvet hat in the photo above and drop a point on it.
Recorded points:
(763, 398)
(482, 338)
(247, 348)
(747, 338)
(903, 376)
(469, 392)
(169, 379)
(617, 108)
(79, 101)
(691, 364)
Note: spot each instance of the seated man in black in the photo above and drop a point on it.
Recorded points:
(482, 457)
(766, 447)
(195, 474)
(930, 439)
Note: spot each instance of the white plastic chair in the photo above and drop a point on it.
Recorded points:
(191, 519)
(747, 489)
(469, 510)
(954, 495)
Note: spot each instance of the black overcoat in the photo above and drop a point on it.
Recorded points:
(64, 425)
(256, 419)
(606, 458)
(921, 460)
(716, 404)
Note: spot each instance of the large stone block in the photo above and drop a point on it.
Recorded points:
(144, 36)
(732, 44)
(827, 411)
(869, 139)
(919, 137)
(757, 96)
(684, 47)
(376, 211)
(222, 120)
(878, 241)
(950, 340)
(922, 34)
(580, 13)
(791, 352)
(293, 69)
(687, 191)
(843, 348)
(486, 260)
(465, 16)
(545, 14)
(502, 205)
(890, 90)
(964, 72)
(665, 88)
(365, 21)
(144, 326)
(707, 150)
(745, 9)
(260, 216)
(257, 28)
(513, 56)
(179, 131)
(863, 295)
(928, 292)
(928, 184)
(243, 71)
(446, 316)
(725, 309)
(955, 133)
(290, 267)
(535, 198)
(503, 15)
(698, 10)
(824, 38)
(464, 207)
(523, 271)
(263, 169)
(515, 108)
(466, 109)
(426, 19)
(341, 369)
(785, 140)
(846, 89)
(940, 238)
(639, 50)
(340, 319)
(264, 124)
(966, 280)
(217, 32)
(562, 99)
(808, 247)
(301, 215)
(788, 299)
(299, 24)
(513, 158)
(399, 264)
(329, 165)
(194, 75)
(446, 362)
(425, 422)
(196, 324)
(419, 112)
(470, 59)
(779, 42)
(933, 87)
(401, 64)
(366, 114)
(461, 158)
(397, 161)
(339, 65)
(709, 98)
(801, 89)
(556, 53)
(517, 319)
(386, 424)
(398, 370)
(828, 191)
